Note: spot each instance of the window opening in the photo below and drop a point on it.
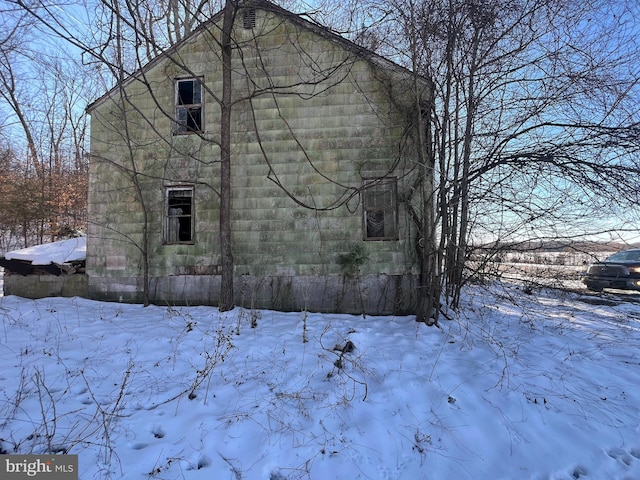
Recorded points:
(179, 215)
(188, 105)
(380, 210)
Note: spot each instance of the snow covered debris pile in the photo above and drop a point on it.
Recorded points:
(65, 256)
(64, 251)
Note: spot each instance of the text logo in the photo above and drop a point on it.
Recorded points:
(49, 467)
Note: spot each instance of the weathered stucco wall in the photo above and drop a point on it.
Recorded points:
(329, 124)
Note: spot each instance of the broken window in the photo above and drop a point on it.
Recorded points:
(179, 215)
(188, 105)
(379, 206)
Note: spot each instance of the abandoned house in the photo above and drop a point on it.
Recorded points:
(325, 164)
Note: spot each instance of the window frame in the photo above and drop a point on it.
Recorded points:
(171, 234)
(183, 127)
(387, 186)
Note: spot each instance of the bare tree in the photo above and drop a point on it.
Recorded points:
(47, 123)
(226, 46)
(534, 117)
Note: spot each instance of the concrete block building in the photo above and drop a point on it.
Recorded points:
(324, 159)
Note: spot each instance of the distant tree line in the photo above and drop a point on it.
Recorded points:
(39, 208)
(43, 129)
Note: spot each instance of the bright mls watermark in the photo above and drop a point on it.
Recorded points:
(50, 467)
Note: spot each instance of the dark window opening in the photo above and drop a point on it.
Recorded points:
(380, 210)
(375, 224)
(249, 18)
(179, 215)
(188, 106)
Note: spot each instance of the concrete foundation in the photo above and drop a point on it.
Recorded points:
(372, 294)
(42, 286)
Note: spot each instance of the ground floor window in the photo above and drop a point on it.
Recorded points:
(179, 215)
(379, 205)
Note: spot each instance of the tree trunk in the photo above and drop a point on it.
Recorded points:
(226, 284)
(459, 260)
(427, 307)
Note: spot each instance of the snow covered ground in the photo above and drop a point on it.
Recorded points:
(517, 386)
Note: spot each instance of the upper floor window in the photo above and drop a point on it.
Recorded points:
(179, 215)
(379, 205)
(188, 105)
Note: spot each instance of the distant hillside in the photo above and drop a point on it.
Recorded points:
(557, 246)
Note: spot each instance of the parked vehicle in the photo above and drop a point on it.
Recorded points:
(621, 270)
